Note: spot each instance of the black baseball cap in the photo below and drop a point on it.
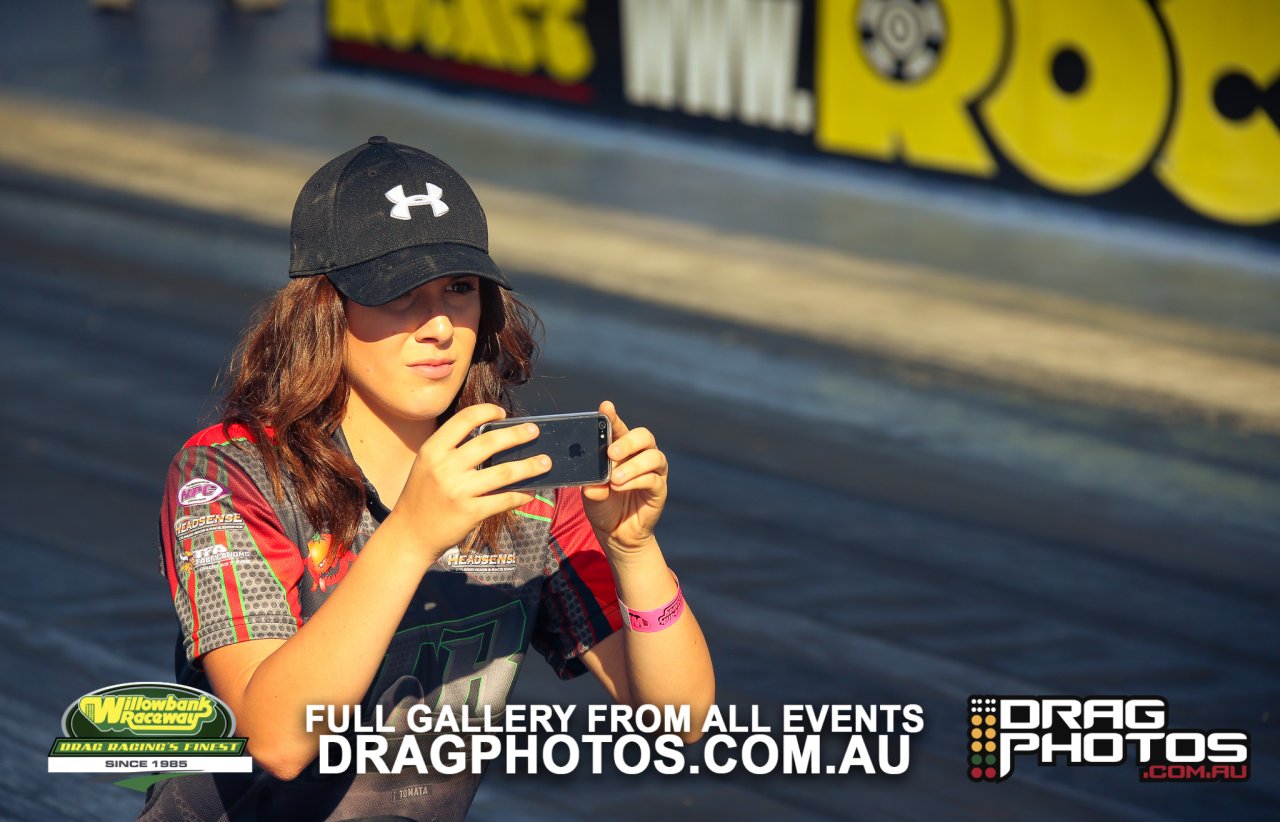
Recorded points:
(384, 218)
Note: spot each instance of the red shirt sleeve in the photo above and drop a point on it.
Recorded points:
(233, 572)
(579, 604)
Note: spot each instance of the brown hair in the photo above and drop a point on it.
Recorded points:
(289, 389)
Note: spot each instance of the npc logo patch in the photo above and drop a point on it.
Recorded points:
(200, 492)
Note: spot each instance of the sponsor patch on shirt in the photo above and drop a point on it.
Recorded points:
(191, 527)
(484, 567)
(216, 555)
(414, 792)
(199, 492)
(326, 565)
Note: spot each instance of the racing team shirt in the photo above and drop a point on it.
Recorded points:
(242, 566)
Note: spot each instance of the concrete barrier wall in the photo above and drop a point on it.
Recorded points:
(1167, 108)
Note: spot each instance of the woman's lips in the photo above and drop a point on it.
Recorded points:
(433, 369)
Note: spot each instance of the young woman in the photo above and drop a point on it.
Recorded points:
(332, 541)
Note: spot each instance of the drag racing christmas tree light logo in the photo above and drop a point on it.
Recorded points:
(148, 727)
(1098, 731)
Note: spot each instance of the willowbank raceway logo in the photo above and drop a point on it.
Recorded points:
(152, 727)
(1099, 731)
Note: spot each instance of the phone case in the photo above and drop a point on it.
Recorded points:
(575, 442)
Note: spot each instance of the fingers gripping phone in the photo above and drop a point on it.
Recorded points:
(576, 443)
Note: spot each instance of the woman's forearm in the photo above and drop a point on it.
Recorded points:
(667, 667)
(333, 657)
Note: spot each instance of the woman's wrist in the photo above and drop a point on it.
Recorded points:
(643, 579)
(653, 620)
(408, 544)
(620, 554)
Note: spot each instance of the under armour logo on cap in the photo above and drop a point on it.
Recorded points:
(330, 234)
(400, 210)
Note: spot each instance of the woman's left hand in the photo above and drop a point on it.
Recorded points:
(625, 511)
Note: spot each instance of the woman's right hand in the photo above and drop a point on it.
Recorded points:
(446, 495)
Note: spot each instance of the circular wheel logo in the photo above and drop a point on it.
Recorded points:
(901, 39)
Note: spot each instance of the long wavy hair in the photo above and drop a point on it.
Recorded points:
(289, 388)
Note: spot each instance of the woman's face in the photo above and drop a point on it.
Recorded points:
(408, 359)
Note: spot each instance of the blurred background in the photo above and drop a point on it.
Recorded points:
(960, 323)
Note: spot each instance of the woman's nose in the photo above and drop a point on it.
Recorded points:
(437, 329)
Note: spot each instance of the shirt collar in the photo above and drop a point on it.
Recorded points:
(377, 509)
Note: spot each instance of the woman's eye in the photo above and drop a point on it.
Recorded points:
(462, 286)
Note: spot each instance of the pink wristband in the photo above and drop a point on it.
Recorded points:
(659, 619)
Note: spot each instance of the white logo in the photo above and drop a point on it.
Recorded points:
(402, 203)
(216, 554)
(485, 566)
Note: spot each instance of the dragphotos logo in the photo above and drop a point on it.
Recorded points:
(403, 203)
(1099, 730)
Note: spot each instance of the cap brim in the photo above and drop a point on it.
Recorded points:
(381, 280)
